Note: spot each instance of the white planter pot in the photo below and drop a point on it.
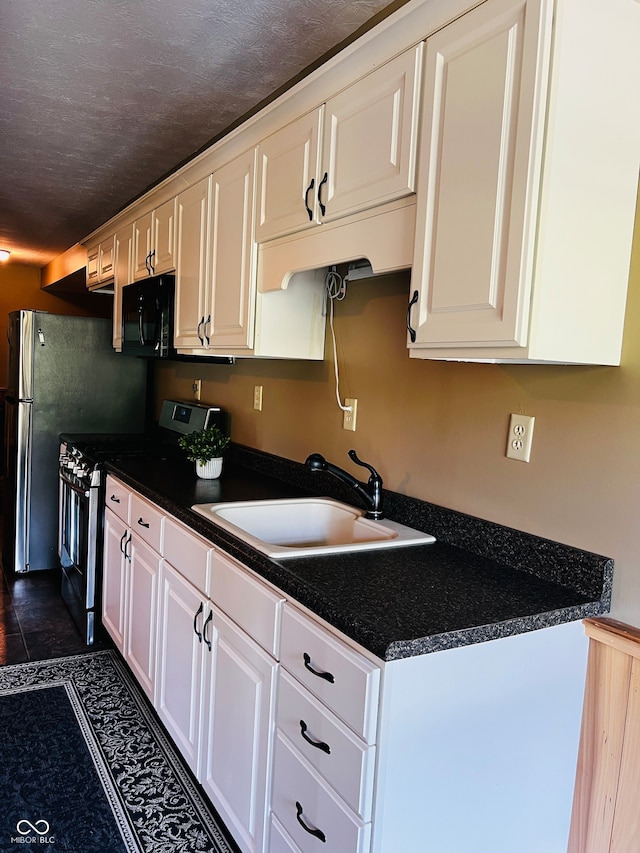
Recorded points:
(210, 470)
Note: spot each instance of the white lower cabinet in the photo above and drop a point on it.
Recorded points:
(216, 691)
(114, 578)
(130, 595)
(141, 626)
(325, 742)
(306, 743)
(180, 661)
(238, 711)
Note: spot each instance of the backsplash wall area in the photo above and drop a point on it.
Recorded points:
(438, 430)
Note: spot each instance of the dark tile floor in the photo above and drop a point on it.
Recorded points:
(34, 621)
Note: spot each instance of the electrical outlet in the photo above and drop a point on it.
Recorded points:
(257, 397)
(196, 387)
(520, 437)
(349, 420)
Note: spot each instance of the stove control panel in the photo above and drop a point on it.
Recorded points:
(185, 417)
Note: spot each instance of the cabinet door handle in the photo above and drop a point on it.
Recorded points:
(195, 622)
(114, 499)
(318, 833)
(128, 542)
(412, 331)
(326, 675)
(324, 180)
(122, 545)
(151, 264)
(207, 322)
(317, 743)
(143, 523)
(204, 629)
(198, 330)
(306, 198)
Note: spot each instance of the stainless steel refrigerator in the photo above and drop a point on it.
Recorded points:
(64, 376)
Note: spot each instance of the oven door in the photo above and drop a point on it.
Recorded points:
(78, 531)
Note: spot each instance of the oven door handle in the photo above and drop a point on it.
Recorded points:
(74, 488)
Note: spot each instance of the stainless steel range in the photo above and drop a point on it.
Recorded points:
(81, 497)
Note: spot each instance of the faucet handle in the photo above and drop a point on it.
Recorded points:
(374, 474)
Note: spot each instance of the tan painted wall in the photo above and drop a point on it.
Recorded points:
(20, 288)
(437, 431)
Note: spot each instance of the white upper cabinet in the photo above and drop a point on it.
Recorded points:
(370, 138)
(154, 241)
(231, 293)
(288, 166)
(192, 244)
(366, 155)
(123, 266)
(100, 262)
(216, 258)
(528, 168)
(217, 309)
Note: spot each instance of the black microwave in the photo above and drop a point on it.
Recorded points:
(147, 317)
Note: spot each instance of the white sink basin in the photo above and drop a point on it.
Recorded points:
(298, 527)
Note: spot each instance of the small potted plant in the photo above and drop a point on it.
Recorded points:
(205, 447)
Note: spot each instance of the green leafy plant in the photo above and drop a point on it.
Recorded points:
(204, 444)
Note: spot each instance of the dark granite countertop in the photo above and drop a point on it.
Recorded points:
(478, 582)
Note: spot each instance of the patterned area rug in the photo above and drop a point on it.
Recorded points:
(86, 767)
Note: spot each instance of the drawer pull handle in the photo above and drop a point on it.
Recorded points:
(306, 198)
(319, 744)
(195, 622)
(326, 675)
(143, 523)
(323, 207)
(410, 329)
(204, 629)
(318, 833)
(114, 499)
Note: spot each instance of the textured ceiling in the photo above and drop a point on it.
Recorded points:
(101, 98)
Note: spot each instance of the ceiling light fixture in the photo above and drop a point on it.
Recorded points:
(4, 255)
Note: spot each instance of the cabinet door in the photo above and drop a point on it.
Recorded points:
(288, 169)
(370, 139)
(164, 237)
(478, 177)
(142, 233)
(179, 662)
(93, 253)
(106, 259)
(142, 605)
(192, 233)
(123, 249)
(114, 577)
(233, 255)
(237, 732)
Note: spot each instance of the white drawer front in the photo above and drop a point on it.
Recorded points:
(188, 553)
(117, 498)
(344, 760)
(310, 811)
(146, 520)
(343, 679)
(251, 604)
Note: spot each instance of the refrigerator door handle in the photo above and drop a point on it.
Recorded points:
(23, 487)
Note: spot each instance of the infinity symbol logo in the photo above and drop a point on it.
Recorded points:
(24, 827)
